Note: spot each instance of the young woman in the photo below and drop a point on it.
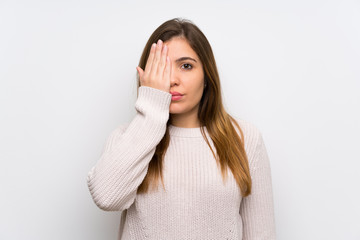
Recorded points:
(214, 169)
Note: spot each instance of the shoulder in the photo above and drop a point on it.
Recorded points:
(253, 139)
(252, 133)
(120, 128)
(114, 136)
(116, 132)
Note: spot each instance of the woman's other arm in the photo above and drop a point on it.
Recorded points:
(257, 209)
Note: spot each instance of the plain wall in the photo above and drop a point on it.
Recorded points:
(67, 71)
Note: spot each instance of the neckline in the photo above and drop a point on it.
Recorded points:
(185, 132)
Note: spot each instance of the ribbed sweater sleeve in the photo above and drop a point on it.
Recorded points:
(123, 164)
(257, 209)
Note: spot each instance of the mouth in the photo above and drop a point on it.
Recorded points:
(176, 94)
(176, 97)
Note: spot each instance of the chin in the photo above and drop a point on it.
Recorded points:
(175, 110)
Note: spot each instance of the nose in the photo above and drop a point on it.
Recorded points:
(174, 78)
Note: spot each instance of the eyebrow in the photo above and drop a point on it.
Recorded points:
(185, 58)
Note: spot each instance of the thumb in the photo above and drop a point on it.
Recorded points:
(140, 71)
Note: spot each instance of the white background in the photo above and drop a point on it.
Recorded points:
(67, 71)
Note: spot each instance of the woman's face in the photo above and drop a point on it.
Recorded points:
(187, 76)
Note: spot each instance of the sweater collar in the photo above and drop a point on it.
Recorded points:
(185, 132)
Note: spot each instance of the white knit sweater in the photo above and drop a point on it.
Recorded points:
(195, 204)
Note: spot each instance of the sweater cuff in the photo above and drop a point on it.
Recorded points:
(153, 101)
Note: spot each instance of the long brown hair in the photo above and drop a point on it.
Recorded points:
(230, 150)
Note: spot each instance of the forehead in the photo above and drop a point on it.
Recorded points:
(179, 47)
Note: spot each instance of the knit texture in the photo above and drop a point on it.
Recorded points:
(196, 203)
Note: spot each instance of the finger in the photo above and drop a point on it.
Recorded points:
(150, 58)
(167, 71)
(154, 66)
(162, 62)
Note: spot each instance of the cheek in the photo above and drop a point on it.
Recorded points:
(196, 80)
(196, 92)
(193, 82)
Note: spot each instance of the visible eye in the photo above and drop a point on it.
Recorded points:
(187, 64)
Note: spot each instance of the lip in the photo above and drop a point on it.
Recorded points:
(176, 97)
(176, 94)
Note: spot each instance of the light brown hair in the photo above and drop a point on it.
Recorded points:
(230, 150)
